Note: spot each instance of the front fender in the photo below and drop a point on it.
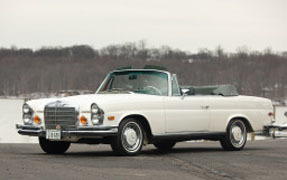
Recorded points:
(153, 118)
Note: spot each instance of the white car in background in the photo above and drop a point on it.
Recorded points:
(134, 107)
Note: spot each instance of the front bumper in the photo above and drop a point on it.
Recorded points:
(85, 131)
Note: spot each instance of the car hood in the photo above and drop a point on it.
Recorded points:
(84, 102)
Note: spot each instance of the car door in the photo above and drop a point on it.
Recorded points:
(186, 114)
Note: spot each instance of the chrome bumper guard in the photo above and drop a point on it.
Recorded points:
(80, 131)
(276, 130)
(280, 127)
(269, 129)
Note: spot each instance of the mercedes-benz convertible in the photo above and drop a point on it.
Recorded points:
(135, 107)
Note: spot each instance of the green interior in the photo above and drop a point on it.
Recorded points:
(223, 90)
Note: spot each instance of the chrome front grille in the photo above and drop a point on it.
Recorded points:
(65, 117)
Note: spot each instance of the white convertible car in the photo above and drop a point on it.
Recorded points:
(134, 107)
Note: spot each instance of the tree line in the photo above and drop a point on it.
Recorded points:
(81, 67)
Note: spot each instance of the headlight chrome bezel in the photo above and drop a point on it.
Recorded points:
(27, 114)
(97, 114)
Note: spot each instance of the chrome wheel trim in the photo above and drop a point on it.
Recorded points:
(238, 134)
(131, 137)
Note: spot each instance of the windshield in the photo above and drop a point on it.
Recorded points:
(143, 82)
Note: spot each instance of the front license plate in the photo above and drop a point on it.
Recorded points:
(53, 134)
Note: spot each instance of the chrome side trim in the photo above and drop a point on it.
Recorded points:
(190, 136)
(189, 133)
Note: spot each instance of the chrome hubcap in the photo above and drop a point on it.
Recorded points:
(132, 137)
(238, 134)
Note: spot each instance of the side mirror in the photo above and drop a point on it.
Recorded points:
(184, 92)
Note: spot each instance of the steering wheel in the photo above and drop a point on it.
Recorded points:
(154, 89)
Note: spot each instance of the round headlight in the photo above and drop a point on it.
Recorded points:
(94, 109)
(27, 118)
(26, 108)
(97, 114)
(95, 119)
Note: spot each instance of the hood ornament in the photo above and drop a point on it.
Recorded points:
(60, 104)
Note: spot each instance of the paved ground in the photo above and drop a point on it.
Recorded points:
(201, 160)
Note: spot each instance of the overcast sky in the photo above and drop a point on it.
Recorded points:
(184, 24)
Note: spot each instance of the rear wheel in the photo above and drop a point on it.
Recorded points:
(129, 140)
(235, 137)
(53, 147)
(164, 146)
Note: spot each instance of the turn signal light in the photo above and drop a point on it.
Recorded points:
(37, 119)
(111, 118)
(83, 120)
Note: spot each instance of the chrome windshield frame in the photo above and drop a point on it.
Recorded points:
(169, 85)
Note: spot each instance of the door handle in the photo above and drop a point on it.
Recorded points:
(204, 107)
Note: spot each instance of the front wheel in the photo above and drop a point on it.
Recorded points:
(53, 147)
(129, 140)
(235, 137)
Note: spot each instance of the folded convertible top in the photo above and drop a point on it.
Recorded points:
(223, 90)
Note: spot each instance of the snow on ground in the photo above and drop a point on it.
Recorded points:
(10, 114)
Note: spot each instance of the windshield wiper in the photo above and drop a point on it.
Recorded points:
(117, 90)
